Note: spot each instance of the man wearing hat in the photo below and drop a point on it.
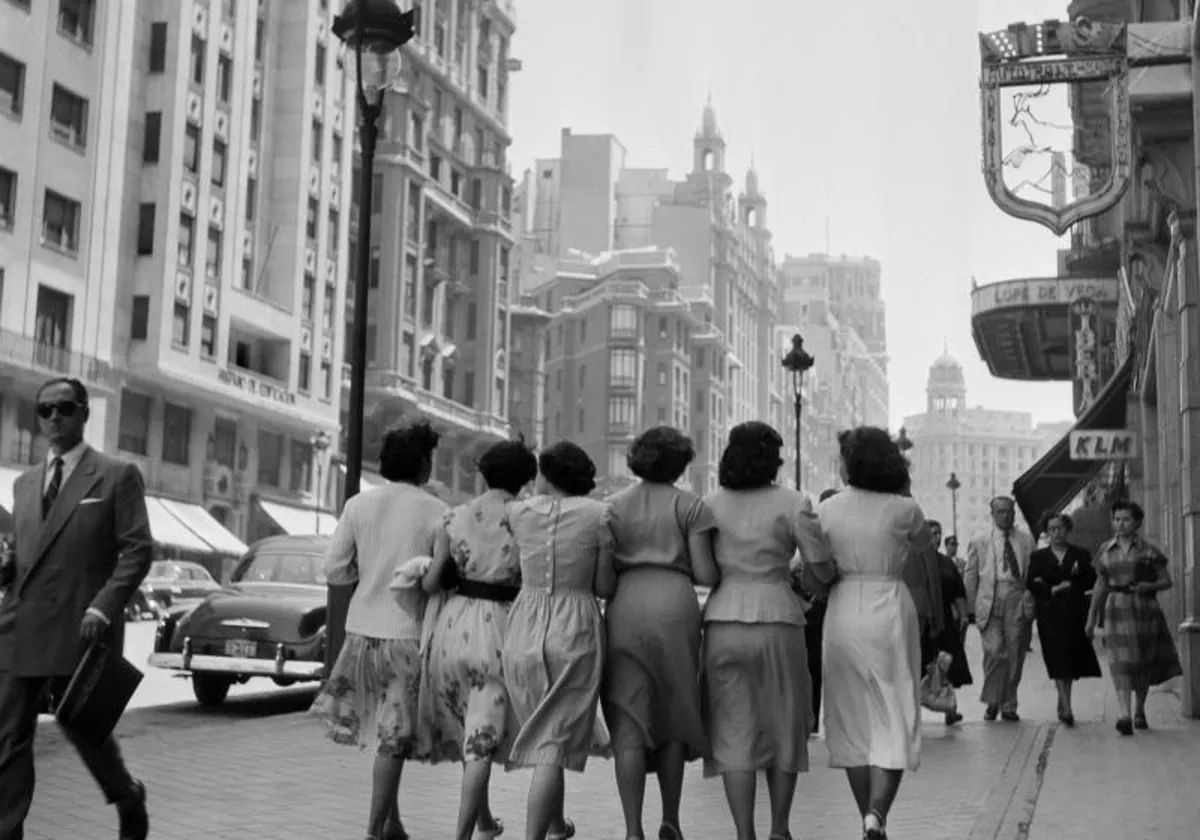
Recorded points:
(82, 548)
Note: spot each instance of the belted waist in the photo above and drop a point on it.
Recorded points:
(500, 592)
(869, 578)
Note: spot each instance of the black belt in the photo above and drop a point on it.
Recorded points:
(500, 592)
(1128, 590)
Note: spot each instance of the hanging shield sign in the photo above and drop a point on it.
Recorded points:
(1009, 70)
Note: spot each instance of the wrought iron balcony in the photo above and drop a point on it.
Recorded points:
(29, 353)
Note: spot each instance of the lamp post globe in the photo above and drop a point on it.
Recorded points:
(798, 361)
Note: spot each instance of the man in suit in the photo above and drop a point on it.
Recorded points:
(83, 546)
(996, 566)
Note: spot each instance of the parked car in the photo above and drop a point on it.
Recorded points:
(170, 582)
(268, 622)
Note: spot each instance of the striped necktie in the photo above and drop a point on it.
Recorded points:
(1010, 559)
(55, 485)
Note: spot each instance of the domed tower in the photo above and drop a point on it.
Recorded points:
(708, 146)
(752, 204)
(946, 391)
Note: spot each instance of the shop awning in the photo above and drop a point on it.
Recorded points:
(168, 531)
(297, 521)
(7, 477)
(202, 523)
(1050, 484)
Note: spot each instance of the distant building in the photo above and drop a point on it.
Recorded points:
(986, 449)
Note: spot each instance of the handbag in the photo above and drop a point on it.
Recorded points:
(937, 694)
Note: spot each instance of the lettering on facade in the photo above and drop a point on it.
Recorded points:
(1043, 292)
(1084, 352)
(1103, 445)
(256, 387)
(1011, 74)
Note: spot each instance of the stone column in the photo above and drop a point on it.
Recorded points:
(1187, 301)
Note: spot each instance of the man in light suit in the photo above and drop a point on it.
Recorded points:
(995, 580)
(83, 546)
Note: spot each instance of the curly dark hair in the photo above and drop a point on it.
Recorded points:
(1135, 510)
(568, 467)
(1047, 518)
(407, 453)
(873, 460)
(660, 455)
(508, 466)
(751, 458)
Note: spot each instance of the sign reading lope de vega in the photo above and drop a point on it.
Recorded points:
(1043, 291)
(1103, 445)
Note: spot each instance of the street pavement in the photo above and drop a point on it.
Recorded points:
(259, 767)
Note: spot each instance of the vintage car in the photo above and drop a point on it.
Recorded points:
(268, 622)
(170, 582)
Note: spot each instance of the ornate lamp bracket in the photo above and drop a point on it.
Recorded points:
(1024, 56)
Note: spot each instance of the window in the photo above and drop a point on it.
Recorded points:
(145, 232)
(191, 149)
(251, 199)
(76, 19)
(304, 377)
(622, 410)
(255, 120)
(416, 132)
(472, 317)
(473, 257)
(208, 337)
(260, 39)
(310, 222)
(52, 323)
(623, 321)
(270, 456)
(335, 154)
(335, 225)
(152, 137)
(327, 379)
(300, 476)
(12, 84)
(468, 389)
(187, 236)
(212, 254)
(327, 309)
(224, 78)
(177, 434)
(197, 61)
(376, 259)
(60, 222)
(181, 325)
(218, 163)
(410, 286)
(68, 117)
(8, 198)
(622, 368)
(319, 66)
(308, 298)
(134, 425)
(139, 318)
(158, 47)
(317, 136)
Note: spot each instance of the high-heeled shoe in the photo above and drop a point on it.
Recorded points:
(490, 833)
(567, 833)
(876, 832)
(666, 831)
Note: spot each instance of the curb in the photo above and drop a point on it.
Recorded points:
(1008, 812)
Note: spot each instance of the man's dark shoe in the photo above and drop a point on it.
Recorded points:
(991, 712)
(1011, 717)
(135, 822)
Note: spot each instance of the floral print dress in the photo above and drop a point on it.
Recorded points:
(464, 705)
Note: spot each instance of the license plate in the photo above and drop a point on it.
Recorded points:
(240, 648)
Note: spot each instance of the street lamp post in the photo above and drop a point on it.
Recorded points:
(375, 30)
(797, 362)
(902, 440)
(320, 445)
(952, 485)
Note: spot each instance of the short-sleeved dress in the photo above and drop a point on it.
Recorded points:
(651, 691)
(1141, 651)
(756, 692)
(872, 635)
(464, 705)
(553, 654)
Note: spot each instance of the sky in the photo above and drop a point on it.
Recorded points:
(864, 113)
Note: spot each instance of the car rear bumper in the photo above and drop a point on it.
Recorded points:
(278, 667)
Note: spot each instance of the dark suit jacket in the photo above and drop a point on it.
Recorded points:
(93, 550)
(1075, 568)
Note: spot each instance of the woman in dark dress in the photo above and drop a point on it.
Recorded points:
(1060, 577)
(954, 619)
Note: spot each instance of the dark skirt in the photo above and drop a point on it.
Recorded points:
(951, 642)
(1066, 649)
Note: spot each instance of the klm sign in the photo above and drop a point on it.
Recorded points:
(1101, 445)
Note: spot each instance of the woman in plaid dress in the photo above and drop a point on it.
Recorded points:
(1142, 653)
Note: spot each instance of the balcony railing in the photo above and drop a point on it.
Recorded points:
(24, 351)
(612, 290)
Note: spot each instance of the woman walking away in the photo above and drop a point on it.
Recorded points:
(464, 706)
(756, 690)
(651, 693)
(1131, 572)
(553, 652)
(1060, 578)
(872, 634)
(370, 697)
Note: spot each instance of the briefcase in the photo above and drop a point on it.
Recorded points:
(98, 692)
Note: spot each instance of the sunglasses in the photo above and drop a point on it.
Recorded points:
(65, 408)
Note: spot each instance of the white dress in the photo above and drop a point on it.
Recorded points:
(872, 653)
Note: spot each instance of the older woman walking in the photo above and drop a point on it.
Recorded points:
(872, 632)
(464, 703)
(370, 698)
(553, 653)
(757, 694)
(651, 697)
(1130, 574)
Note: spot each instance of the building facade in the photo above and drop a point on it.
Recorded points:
(442, 251)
